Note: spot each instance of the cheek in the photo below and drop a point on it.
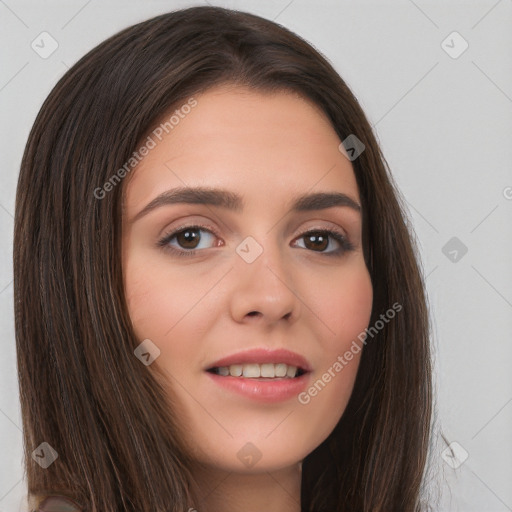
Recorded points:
(346, 311)
(147, 296)
(326, 399)
(344, 305)
(345, 308)
(164, 305)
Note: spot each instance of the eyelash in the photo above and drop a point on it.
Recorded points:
(346, 245)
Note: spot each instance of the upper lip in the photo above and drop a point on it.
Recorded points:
(262, 355)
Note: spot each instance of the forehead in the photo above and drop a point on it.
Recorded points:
(266, 145)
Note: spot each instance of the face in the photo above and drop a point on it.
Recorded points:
(209, 276)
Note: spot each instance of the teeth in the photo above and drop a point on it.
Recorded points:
(251, 370)
(281, 369)
(235, 370)
(267, 370)
(291, 371)
(224, 370)
(255, 371)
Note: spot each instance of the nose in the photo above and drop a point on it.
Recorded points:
(263, 290)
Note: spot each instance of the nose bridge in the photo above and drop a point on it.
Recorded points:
(267, 256)
(264, 282)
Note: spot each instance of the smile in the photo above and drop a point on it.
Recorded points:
(257, 371)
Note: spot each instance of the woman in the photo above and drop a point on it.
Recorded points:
(282, 366)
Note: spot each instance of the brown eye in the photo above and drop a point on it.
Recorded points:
(316, 240)
(320, 240)
(188, 238)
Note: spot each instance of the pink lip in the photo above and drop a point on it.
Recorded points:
(263, 356)
(265, 391)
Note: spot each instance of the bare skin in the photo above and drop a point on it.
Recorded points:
(312, 299)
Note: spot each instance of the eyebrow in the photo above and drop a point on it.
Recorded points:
(234, 202)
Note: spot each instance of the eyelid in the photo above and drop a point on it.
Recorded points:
(171, 233)
(327, 226)
(341, 238)
(189, 225)
(208, 227)
(334, 232)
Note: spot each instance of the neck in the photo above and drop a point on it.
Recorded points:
(272, 491)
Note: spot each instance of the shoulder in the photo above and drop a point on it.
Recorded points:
(58, 504)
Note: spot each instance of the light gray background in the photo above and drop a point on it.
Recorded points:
(445, 126)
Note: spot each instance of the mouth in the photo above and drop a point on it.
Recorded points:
(255, 382)
(261, 372)
(262, 375)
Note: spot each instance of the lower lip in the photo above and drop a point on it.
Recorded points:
(266, 391)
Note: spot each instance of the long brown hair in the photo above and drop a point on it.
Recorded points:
(82, 390)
